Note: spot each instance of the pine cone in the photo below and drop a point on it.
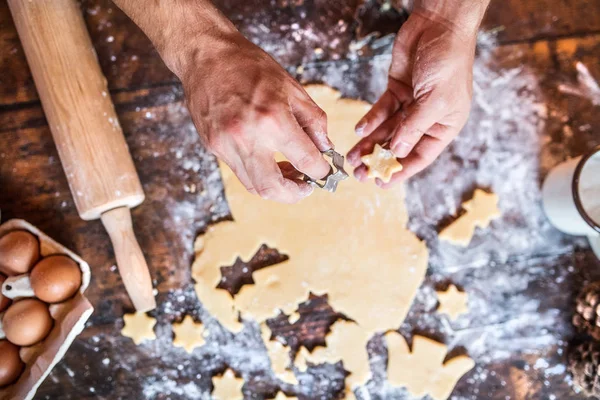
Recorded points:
(584, 361)
(587, 311)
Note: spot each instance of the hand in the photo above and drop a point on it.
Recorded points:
(428, 97)
(246, 109)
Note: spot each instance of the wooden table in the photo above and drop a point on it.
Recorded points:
(184, 196)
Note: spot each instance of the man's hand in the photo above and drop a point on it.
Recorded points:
(245, 106)
(429, 90)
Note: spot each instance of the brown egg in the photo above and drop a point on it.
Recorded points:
(55, 279)
(19, 250)
(11, 365)
(4, 301)
(26, 322)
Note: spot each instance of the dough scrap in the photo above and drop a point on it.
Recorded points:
(316, 234)
(139, 327)
(381, 163)
(423, 370)
(188, 334)
(480, 211)
(279, 354)
(227, 387)
(347, 342)
(452, 302)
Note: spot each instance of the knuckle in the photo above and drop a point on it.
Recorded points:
(271, 190)
(267, 192)
(215, 144)
(306, 160)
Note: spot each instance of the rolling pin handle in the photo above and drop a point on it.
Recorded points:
(130, 259)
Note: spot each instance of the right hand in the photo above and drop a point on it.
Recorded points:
(247, 108)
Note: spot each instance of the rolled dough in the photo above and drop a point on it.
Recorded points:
(352, 244)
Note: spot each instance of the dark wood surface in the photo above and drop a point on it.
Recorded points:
(182, 197)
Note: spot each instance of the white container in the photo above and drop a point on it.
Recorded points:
(571, 197)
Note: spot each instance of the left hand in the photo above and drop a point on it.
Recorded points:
(428, 98)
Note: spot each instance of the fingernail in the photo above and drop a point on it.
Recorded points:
(360, 128)
(329, 143)
(400, 150)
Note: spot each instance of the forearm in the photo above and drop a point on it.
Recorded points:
(464, 16)
(179, 29)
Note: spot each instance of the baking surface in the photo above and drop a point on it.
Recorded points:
(521, 275)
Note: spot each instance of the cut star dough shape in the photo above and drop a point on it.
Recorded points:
(279, 354)
(382, 163)
(139, 327)
(480, 211)
(423, 370)
(347, 342)
(452, 302)
(188, 334)
(227, 387)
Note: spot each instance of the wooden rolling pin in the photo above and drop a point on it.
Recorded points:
(85, 128)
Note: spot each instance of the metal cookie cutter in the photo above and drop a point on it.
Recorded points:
(332, 179)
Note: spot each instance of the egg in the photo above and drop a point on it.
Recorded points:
(11, 365)
(19, 250)
(4, 301)
(27, 322)
(55, 278)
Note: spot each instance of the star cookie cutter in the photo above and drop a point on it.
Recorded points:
(330, 182)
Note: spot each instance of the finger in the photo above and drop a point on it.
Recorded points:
(269, 182)
(383, 109)
(419, 118)
(234, 162)
(379, 135)
(391, 101)
(361, 173)
(313, 120)
(300, 150)
(424, 153)
(289, 172)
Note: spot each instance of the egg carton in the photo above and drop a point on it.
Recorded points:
(69, 320)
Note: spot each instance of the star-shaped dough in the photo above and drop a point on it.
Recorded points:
(480, 211)
(423, 370)
(138, 327)
(382, 163)
(227, 387)
(452, 302)
(188, 334)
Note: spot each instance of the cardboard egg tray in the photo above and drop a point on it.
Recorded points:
(69, 320)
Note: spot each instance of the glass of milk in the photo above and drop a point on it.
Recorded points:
(571, 197)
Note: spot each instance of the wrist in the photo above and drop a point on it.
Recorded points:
(461, 16)
(181, 30)
(192, 36)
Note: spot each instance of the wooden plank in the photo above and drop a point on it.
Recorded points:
(289, 32)
(525, 21)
